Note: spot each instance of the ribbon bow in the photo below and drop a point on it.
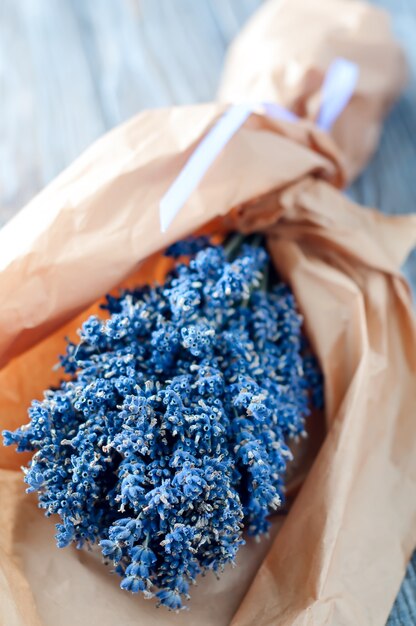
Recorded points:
(337, 89)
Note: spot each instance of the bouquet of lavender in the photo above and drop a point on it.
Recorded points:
(171, 431)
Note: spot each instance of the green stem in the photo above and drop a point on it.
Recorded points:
(256, 240)
(264, 285)
(233, 244)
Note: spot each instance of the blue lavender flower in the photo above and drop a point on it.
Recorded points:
(171, 599)
(172, 432)
(133, 584)
(187, 247)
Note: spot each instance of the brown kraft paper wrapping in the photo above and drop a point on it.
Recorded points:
(339, 555)
(285, 49)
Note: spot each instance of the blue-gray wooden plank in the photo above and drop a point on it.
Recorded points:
(72, 69)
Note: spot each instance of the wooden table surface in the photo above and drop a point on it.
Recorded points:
(72, 69)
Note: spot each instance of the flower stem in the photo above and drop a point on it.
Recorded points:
(256, 240)
(264, 285)
(233, 244)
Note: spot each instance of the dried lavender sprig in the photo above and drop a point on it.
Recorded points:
(174, 427)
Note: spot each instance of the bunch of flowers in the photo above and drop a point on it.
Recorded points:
(171, 431)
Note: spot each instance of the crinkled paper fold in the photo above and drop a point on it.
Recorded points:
(339, 555)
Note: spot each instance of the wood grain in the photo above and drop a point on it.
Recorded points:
(72, 69)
